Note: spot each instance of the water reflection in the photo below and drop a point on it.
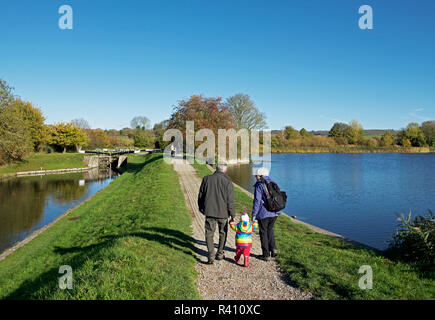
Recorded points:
(356, 195)
(29, 203)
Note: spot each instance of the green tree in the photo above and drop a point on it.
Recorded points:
(414, 134)
(6, 96)
(304, 133)
(144, 138)
(159, 130)
(246, 114)
(66, 135)
(338, 130)
(15, 140)
(291, 133)
(33, 121)
(428, 128)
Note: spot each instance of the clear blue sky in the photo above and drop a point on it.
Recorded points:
(304, 63)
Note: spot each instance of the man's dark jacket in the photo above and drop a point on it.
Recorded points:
(216, 196)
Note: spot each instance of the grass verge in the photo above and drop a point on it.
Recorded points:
(46, 161)
(328, 267)
(131, 241)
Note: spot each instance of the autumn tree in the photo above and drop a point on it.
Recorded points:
(97, 138)
(387, 140)
(354, 132)
(210, 113)
(246, 114)
(66, 135)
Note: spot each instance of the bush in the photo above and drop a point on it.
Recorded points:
(341, 141)
(414, 241)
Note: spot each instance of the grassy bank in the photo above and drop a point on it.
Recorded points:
(46, 161)
(351, 149)
(131, 241)
(328, 267)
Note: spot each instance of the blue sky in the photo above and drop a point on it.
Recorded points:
(304, 63)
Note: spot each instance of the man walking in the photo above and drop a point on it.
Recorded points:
(216, 202)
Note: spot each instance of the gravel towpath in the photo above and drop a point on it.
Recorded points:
(225, 279)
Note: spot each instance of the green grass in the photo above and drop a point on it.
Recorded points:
(328, 267)
(131, 241)
(46, 161)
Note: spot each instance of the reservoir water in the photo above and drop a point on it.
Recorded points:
(355, 195)
(29, 203)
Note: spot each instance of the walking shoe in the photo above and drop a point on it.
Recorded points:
(220, 256)
(235, 259)
(274, 253)
(246, 262)
(264, 258)
(210, 261)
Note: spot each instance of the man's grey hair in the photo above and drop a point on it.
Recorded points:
(222, 166)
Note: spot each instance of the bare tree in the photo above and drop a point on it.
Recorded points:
(140, 122)
(245, 113)
(81, 123)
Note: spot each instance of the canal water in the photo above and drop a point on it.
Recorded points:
(29, 203)
(355, 195)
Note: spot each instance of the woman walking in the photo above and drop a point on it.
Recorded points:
(266, 219)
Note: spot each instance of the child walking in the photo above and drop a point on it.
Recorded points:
(244, 231)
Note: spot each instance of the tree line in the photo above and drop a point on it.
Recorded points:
(23, 129)
(352, 134)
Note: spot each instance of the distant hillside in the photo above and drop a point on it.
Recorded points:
(367, 133)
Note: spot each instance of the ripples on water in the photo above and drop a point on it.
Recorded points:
(355, 195)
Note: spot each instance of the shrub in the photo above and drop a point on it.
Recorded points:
(341, 141)
(414, 241)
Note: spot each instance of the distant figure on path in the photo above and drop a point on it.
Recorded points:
(173, 150)
(244, 231)
(216, 202)
(266, 219)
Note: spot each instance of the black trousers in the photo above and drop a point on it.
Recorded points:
(267, 237)
(210, 227)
